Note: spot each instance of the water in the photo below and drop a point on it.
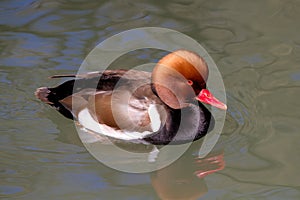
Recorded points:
(256, 46)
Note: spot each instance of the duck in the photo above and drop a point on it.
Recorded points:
(167, 106)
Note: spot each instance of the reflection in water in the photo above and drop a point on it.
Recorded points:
(184, 179)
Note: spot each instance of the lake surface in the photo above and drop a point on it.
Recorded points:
(256, 46)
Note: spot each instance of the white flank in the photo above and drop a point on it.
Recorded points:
(154, 118)
(88, 122)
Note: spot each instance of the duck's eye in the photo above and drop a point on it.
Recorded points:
(190, 82)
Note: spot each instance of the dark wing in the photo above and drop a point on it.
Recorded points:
(102, 81)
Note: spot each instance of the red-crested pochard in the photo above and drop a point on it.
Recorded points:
(158, 108)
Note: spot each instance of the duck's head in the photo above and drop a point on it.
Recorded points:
(180, 78)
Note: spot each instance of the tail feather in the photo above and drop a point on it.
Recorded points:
(63, 76)
(42, 94)
(47, 95)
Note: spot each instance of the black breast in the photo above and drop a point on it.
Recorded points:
(184, 125)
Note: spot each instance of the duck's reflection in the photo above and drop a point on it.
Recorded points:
(184, 179)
